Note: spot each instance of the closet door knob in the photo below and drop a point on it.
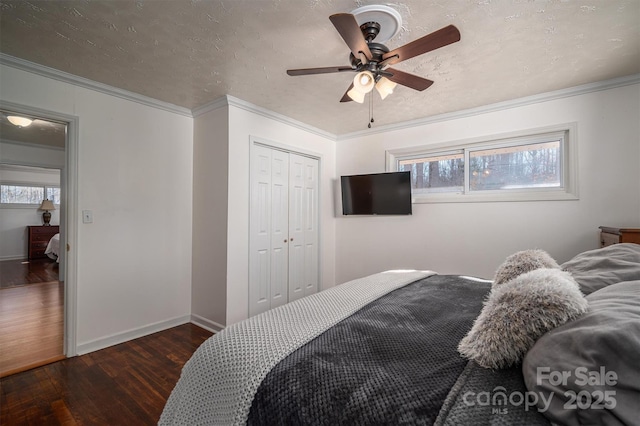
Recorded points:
(291, 239)
(285, 240)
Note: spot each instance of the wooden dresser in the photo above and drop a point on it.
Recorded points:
(610, 235)
(38, 238)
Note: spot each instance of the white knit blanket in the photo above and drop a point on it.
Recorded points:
(218, 383)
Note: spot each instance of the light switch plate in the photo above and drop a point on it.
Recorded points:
(87, 216)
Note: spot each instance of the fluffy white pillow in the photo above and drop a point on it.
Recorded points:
(522, 262)
(517, 313)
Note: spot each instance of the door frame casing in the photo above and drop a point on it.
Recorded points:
(69, 220)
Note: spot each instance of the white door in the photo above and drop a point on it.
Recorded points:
(283, 258)
(279, 227)
(260, 239)
(269, 256)
(310, 225)
(297, 215)
(303, 226)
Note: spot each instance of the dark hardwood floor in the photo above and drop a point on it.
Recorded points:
(126, 384)
(22, 272)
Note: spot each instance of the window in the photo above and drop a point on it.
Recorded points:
(516, 167)
(435, 173)
(28, 194)
(535, 165)
(53, 194)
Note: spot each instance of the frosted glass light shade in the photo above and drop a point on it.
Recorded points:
(19, 121)
(356, 95)
(385, 87)
(364, 82)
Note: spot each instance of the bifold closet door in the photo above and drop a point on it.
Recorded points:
(283, 257)
(269, 245)
(303, 226)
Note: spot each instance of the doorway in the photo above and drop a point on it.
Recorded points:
(33, 266)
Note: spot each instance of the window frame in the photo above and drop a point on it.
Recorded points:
(568, 189)
(44, 187)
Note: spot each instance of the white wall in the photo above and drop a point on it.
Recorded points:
(135, 173)
(31, 155)
(244, 123)
(14, 220)
(210, 194)
(474, 238)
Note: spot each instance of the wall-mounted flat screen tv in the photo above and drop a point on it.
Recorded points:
(376, 194)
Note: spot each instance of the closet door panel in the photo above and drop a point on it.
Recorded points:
(310, 226)
(260, 244)
(279, 227)
(296, 227)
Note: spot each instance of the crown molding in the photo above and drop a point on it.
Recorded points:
(239, 103)
(65, 77)
(211, 106)
(514, 103)
(229, 100)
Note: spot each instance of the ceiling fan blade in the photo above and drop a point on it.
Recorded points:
(433, 41)
(350, 32)
(406, 79)
(345, 97)
(325, 70)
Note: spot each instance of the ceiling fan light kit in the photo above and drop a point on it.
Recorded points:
(363, 83)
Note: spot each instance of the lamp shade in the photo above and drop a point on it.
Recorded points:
(46, 205)
(19, 121)
(385, 87)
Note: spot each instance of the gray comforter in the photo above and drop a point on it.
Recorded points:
(395, 361)
(378, 350)
(218, 383)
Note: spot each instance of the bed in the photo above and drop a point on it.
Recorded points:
(415, 347)
(53, 248)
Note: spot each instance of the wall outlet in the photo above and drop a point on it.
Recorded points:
(87, 216)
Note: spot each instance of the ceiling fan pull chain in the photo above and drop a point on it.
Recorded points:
(370, 110)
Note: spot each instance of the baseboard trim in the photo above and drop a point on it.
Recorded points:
(114, 339)
(207, 324)
(22, 257)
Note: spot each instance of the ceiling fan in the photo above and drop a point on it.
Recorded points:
(371, 60)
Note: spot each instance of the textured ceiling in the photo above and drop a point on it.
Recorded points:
(192, 52)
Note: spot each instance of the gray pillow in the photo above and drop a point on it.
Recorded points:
(596, 269)
(517, 313)
(521, 262)
(603, 344)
